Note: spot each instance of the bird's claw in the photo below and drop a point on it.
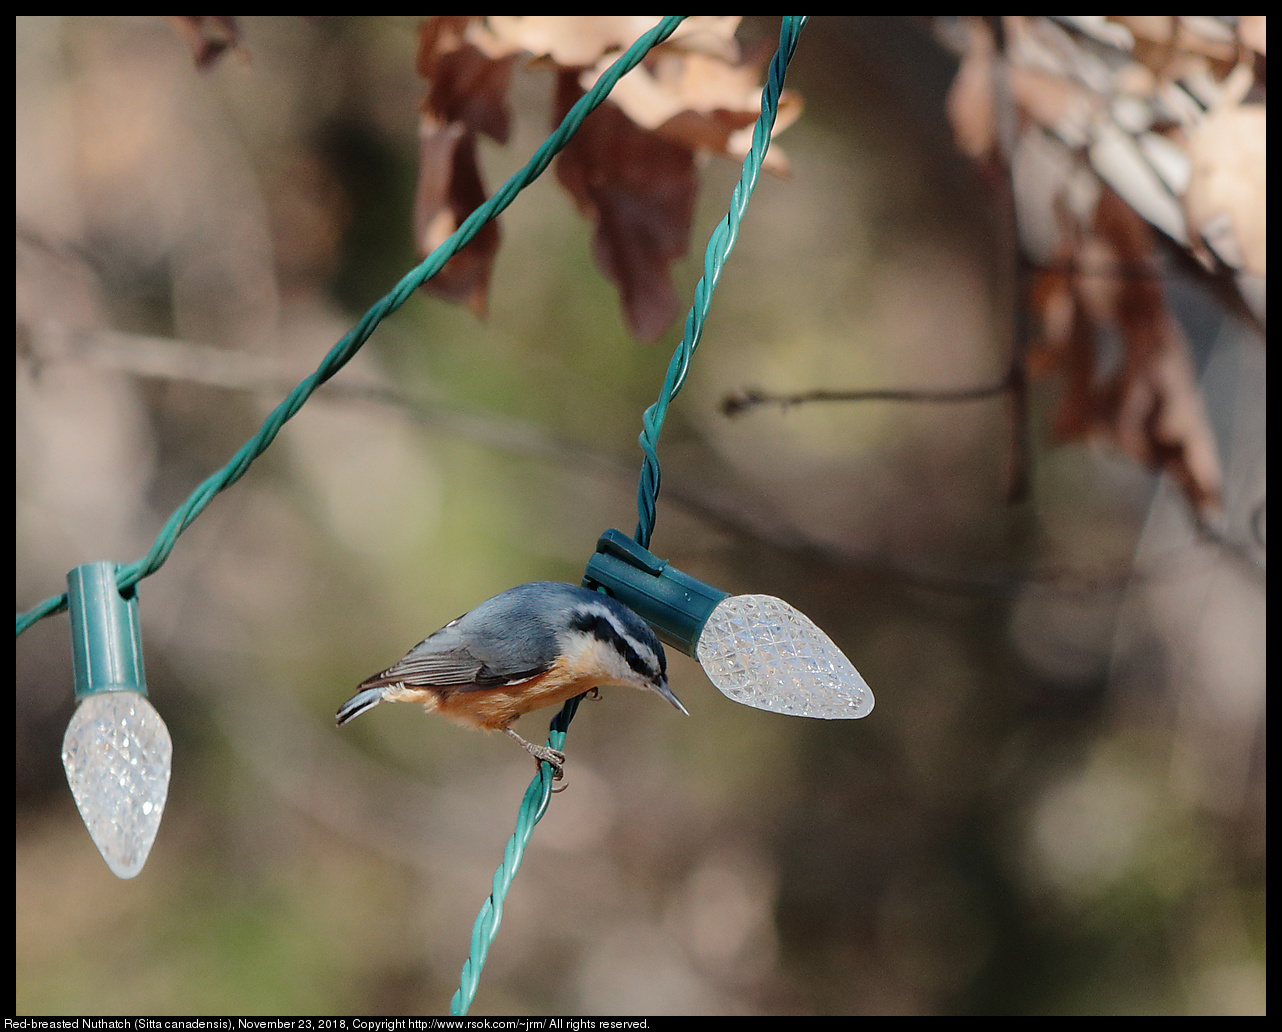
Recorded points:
(554, 758)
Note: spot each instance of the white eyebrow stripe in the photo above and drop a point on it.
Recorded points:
(642, 650)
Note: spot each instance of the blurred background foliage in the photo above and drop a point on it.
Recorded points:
(1057, 805)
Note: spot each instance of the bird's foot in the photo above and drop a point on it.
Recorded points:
(542, 754)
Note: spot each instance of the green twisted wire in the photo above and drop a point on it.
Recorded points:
(533, 806)
(719, 247)
(131, 573)
(537, 796)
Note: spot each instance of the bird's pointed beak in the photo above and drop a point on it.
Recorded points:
(662, 689)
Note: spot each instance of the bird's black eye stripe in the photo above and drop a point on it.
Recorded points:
(602, 628)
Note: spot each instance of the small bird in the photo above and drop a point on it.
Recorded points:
(533, 646)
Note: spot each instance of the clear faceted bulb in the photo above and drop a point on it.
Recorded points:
(117, 753)
(760, 651)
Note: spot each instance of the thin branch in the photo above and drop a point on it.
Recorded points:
(163, 358)
(736, 404)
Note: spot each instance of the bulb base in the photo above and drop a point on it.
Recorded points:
(675, 604)
(106, 634)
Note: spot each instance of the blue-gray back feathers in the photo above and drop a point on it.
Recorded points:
(514, 636)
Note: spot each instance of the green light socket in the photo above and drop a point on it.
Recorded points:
(673, 603)
(106, 637)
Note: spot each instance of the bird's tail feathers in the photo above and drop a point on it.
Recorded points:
(358, 704)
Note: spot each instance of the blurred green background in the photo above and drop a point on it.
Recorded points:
(1057, 805)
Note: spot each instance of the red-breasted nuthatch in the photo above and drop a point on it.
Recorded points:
(532, 646)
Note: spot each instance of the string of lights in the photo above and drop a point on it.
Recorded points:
(758, 650)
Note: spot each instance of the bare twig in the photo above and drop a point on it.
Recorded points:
(738, 403)
(165, 358)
